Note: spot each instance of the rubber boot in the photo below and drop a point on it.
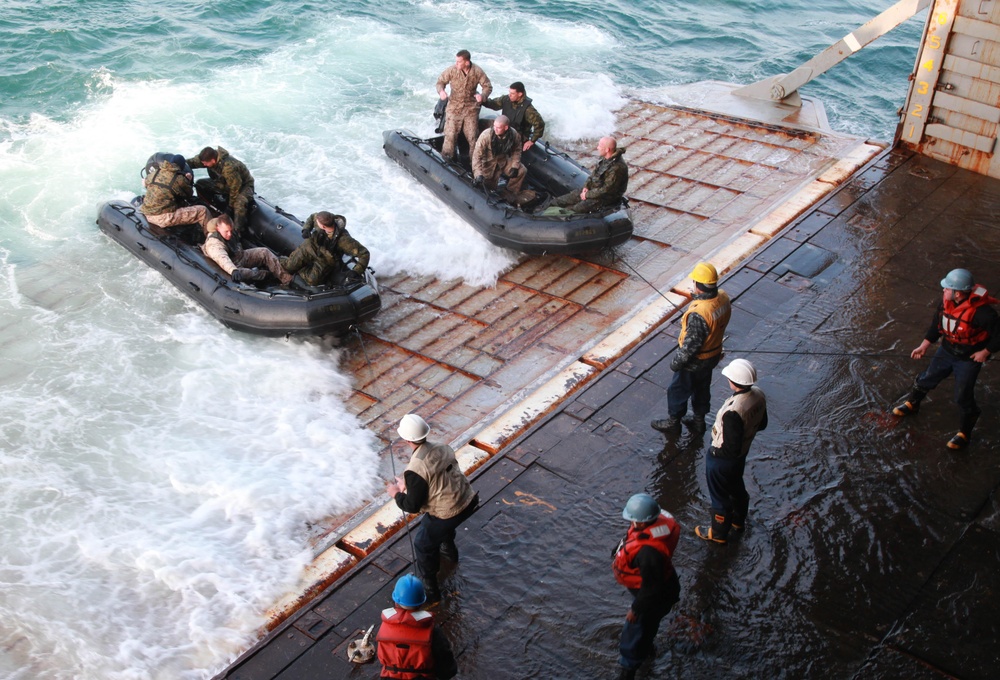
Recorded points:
(431, 589)
(718, 532)
(911, 406)
(695, 423)
(449, 551)
(669, 425)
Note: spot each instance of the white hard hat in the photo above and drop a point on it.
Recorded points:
(413, 428)
(741, 372)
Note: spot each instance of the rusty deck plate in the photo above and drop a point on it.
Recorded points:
(467, 358)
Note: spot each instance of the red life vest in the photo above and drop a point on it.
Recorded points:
(662, 535)
(956, 320)
(404, 644)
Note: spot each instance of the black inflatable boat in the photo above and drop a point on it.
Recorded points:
(271, 310)
(550, 172)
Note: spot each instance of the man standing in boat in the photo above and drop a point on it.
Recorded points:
(223, 247)
(703, 328)
(320, 258)
(498, 152)
(969, 329)
(464, 102)
(229, 177)
(606, 185)
(522, 115)
(168, 193)
(434, 484)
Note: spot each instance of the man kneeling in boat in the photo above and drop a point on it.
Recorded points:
(168, 193)
(606, 185)
(320, 259)
(498, 152)
(223, 247)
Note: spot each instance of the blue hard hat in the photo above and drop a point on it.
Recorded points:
(958, 279)
(409, 592)
(641, 508)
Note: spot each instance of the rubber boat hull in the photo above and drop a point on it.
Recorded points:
(549, 171)
(271, 311)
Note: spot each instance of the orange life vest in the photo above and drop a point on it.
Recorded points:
(716, 312)
(956, 320)
(404, 644)
(662, 535)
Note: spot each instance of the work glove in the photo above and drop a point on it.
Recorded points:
(306, 232)
(479, 182)
(513, 172)
(676, 364)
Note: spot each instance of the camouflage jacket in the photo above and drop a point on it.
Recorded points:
(229, 173)
(463, 86)
(609, 180)
(523, 116)
(316, 262)
(484, 161)
(167, 189)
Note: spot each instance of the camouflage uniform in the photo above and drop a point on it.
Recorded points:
(168, 191)
(230, 178)
(462, 113)
(231, 255)
(523, 116)
(605, 186)
(317, 263)
(486, 163)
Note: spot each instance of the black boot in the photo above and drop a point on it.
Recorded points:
(431, 590)
(669, 425)
(627, 674)
(695, 423)
(718, 532)
(449, 551)
(911, 406)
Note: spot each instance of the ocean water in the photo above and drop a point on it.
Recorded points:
(158, 473)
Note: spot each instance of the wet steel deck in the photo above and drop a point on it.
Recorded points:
(871, 550)
(702, 185)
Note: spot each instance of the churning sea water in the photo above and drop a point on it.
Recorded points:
(158, 472)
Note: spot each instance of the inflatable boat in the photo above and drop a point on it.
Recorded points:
(265, 310)
(550, 173)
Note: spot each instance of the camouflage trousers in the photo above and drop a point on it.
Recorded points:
(464, 120)
(264, 257)
(207, 190)
(192, 214)
(571, 201)
(513, 184)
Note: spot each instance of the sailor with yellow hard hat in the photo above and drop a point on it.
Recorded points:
(700, 350)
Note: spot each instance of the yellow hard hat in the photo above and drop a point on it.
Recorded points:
(705, 272)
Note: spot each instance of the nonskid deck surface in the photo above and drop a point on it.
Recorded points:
(700, 183)
(870, 549)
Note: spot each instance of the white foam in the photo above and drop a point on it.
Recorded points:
(161, 472)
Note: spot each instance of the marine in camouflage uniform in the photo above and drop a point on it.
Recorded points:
(320, 257)
(606, 185)
(223, 247)
(462, 113)
(168, 191)
(229, 177)
(522, 115)
(498, 150)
